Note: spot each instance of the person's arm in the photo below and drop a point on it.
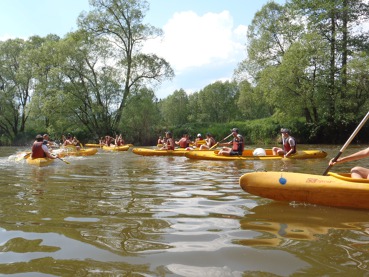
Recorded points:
(353, 157)
(47, 153)
(226, 143)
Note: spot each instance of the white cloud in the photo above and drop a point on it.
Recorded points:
(192, 41)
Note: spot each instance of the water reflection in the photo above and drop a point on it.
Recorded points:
(321, 230)
(277, 222)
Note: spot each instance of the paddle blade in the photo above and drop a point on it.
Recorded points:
(23, 156)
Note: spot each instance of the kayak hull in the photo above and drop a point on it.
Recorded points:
(158, 152)
(74, 152)
(96, 145)
(248, 155)
(39, 161)
(93, 145)
(116, 148)
(335, 190)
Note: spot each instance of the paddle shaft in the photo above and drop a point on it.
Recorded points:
(63, 160)
(348, 142)
(215, 145)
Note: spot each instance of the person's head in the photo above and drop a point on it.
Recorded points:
(168, 134)
(199, 136)
(39, 138)
(234, 131)
(46, 137)
(285, 132)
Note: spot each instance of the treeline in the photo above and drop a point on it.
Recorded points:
(307, 69)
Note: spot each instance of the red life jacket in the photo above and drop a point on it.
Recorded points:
(238, 144)
(37, 151)
(170, 144)
(286, 144)
(183, 143)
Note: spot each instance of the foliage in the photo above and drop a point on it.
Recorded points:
(120, 24)
(140, 118)
(306, 69)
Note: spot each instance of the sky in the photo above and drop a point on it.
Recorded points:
(203, 40)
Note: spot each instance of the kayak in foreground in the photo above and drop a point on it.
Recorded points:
(116, 148)
(39, 161)
(249, 155)
(336, 190)
(158, 152)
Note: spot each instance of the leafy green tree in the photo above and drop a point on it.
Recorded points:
(252, 103)
(174, 108)
(336, 21)
(77, 87)
(194, 107)
(120, 23)
(141, 118)
(217, 102)
(17, 81)
(270, 34)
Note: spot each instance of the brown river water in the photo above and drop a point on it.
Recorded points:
(120, 214)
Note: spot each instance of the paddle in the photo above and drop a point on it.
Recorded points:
(215, 145)
(348, 142)
(63, 160)
(24, 156)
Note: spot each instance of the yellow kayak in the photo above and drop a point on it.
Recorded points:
(158, 152)
(93, 145)
(249, 155)
(96, 145)
(39, 161)
(336, 190)
(69, 151)
(116, 148)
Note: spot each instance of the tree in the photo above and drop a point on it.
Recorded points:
(141, 118)
(252, 103)
(217, 102)
(270, 34)
(17, 82)
(337, 22)
(120, 22)
(174, 108)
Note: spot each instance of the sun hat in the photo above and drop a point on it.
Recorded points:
(199, 135)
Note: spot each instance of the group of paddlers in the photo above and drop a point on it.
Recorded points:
(233, 147)
(110, 141)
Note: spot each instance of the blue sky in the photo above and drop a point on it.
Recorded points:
(204, 40)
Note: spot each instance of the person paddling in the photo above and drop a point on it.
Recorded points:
(237, 143)
(170, 144)
(210, 142)
(40, 150)
(357, 172)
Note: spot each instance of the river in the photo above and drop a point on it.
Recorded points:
(120, 214)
